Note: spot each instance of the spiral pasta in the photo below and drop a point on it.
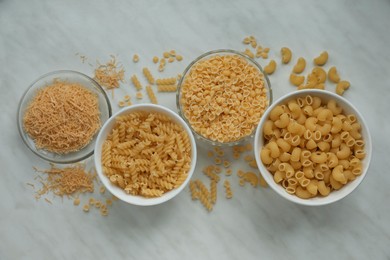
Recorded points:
(143, 165)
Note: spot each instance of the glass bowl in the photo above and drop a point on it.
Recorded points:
(120, 193)
(334, 195)
(44, 81)
(193, 66)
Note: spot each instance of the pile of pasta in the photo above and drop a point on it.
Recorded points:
(312, 147)
(63, 117)
(223, 98)
(146, 153)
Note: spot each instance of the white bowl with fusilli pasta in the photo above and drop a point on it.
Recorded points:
(145, 154)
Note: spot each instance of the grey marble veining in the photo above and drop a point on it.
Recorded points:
(37, 37)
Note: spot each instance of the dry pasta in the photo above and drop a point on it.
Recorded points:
(153, 158)
(63, 117)
(166, 88)
(148, 75)
(317, 155)
(136, 82)
(151, 94)
(223, 97)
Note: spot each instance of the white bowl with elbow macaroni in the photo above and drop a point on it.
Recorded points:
(145, 154)
(313, 147)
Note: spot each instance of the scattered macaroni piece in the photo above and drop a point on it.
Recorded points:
(63, 117)
(179, 57)
(136, 82)
(166, 55)
(76, 201)
(148, 75)
(86, 207)
(286, 55)
(223, 97)
(333, 75)
(321, 59)
(171, 59)
(299, 67)
(109, 75)
(270, 68)
(252, 178)
(151, 94)
(157, 161)
(135, 58)
(248, 53)
(139, 95)
(342, 86)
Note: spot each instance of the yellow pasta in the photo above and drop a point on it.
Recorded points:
(142, 166)
(166, 88)
(136, 82)
(151, 94)
(311, 147)
(166, 81)
(148, 75)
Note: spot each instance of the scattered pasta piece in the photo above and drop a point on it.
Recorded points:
(213, 191)
(228, 189)
(76, 201)
(86, 207)
(226, 164)
(342, 86)
(151, 94)
(217, 160)
(194, 190)
(135, 58)
(210, 154)
(166, 81)
(248, 158)
(270, 68)
(321, 59)
(228, 172)
(155, 59)
(121, 103)
(166, 88)
(139, 95)
(286, 55)
(48, 201)
(126, 98)
(252, 178)
(179, 57)
(109, 75)
(136, 82)
(102, 189)
(148, 75)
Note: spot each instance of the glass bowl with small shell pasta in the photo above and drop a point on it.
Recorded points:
(313, 147)
(145, 154)
(60, 115)
(222, 95)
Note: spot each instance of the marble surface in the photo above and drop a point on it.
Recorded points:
(39, 36)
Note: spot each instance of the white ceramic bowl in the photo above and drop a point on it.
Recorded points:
(120, 193)
(336, 194)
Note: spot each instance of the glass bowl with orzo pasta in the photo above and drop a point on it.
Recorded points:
(60, 115)
(222, 96)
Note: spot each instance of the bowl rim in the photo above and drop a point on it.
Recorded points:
(319, 201)
(22, 100)
(188, 68)
(119, 193)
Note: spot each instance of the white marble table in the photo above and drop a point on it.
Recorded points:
(39, 36)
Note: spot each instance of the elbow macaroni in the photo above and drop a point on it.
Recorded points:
(311, 147)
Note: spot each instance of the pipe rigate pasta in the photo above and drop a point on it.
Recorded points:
(286, 55)
(320, 149)
(321, 59)
(270, 68)
(299, 66)
(333, 75)
(342, 86)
